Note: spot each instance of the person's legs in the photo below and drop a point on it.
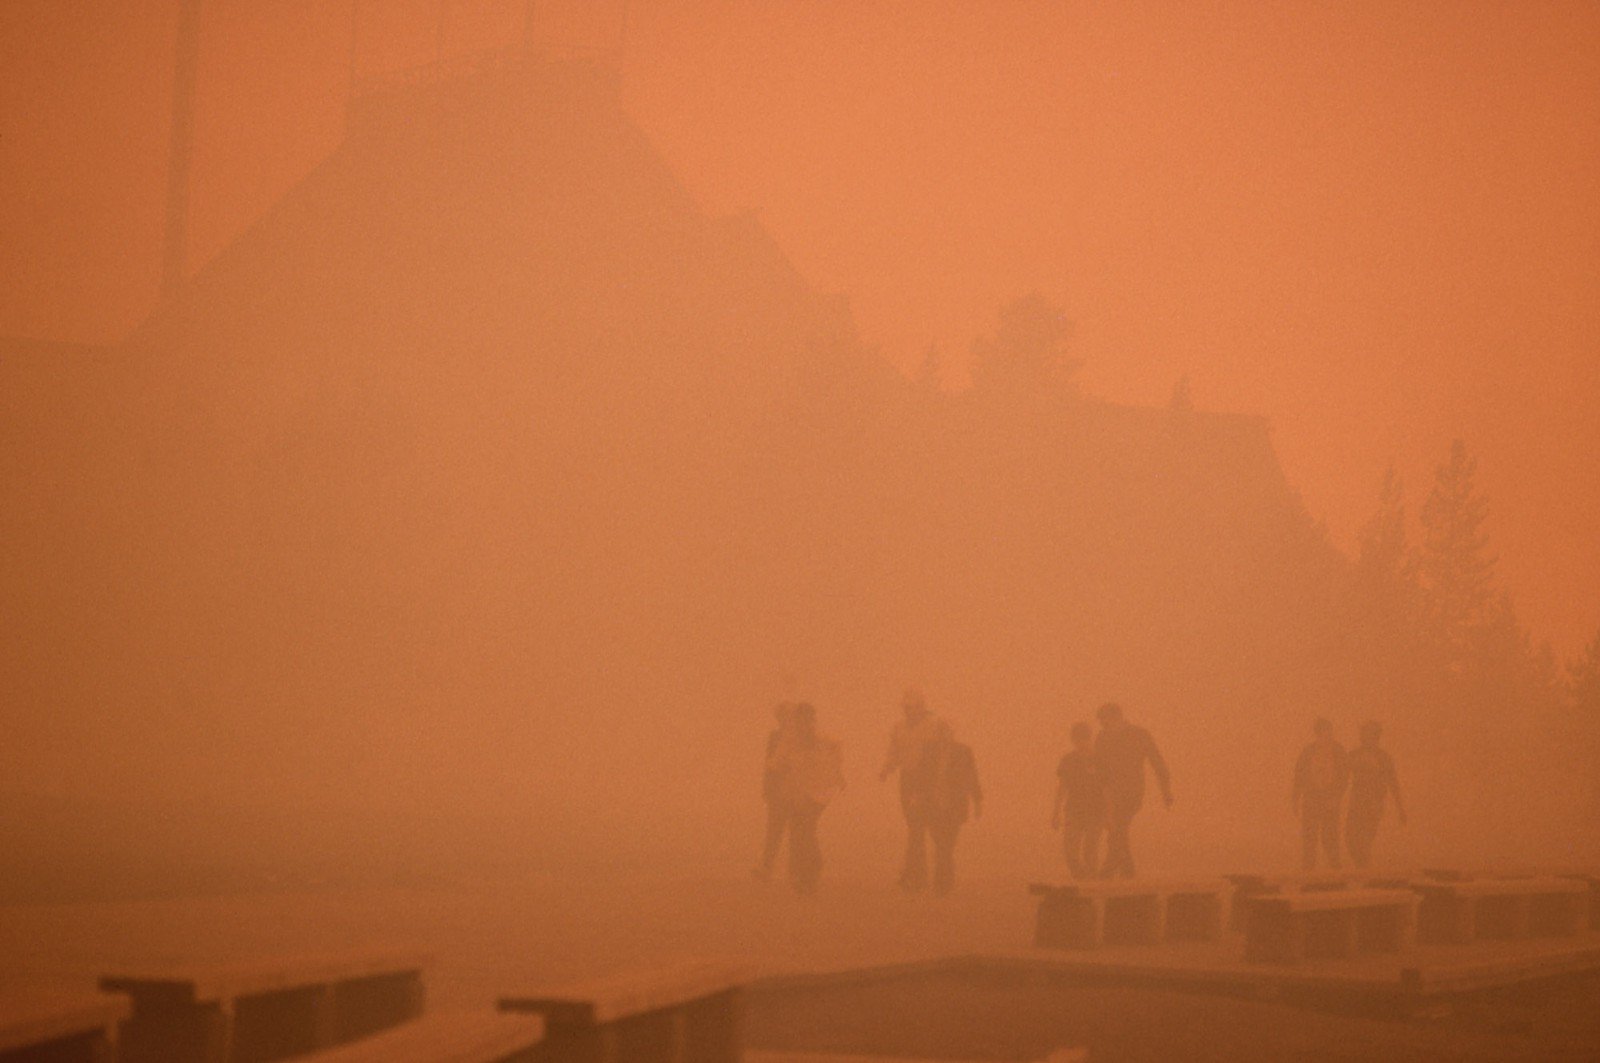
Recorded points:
(777, 824)
(1090, 854)
(1330, 834)
(914, 872)
(805, 851)
(1074, 839)
(1308, 835)
(1360, 831)
(945, 830)
(1119, 851)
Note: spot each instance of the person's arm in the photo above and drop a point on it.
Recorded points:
(977, 787)
(1159, 766)
(1060, 799)
(1394, 786)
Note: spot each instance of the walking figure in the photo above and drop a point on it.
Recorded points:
(771, 793)
(1079, 811)
(1122, 750)
(956, 796)
(1320, 777)
(908, 755)
(810, 776)
(1372, 780)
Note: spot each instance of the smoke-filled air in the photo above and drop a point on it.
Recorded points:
(799, 531)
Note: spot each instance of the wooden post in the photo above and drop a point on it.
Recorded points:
(180, 159)
(1194, 917)
(219, 1033)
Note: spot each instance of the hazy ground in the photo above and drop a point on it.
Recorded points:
(493, 935)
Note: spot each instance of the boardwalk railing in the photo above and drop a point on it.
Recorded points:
(60, 1029)
(1086, 915)
(266, 1010)
(1456, 913)
(1329, 924)
(692, 1013)
(449, 1037)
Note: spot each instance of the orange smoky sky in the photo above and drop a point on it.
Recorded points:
(1374, 222)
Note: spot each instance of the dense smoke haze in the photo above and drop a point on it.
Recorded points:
(546, 400)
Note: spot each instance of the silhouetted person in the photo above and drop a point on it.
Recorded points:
(810, 774)
(772, 793)
(908, 755)
(956, 796)
(1079, 812)
(1320, 776)
(1372, 780)
(1121, 750)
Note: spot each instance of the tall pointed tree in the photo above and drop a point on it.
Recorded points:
(1384, 564)
(1583, 679)
(1455, 568)
(1386, 611)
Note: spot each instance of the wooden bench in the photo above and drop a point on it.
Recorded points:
(1275, 884)
(691, 1013)
(1455, 913)
(448, 1037)
(1327, 924)
(60, 1029)
(1086, 915)
(265, 1010)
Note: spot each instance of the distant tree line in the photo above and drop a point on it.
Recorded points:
(1439, 643)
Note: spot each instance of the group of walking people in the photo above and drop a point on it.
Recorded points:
(1323, 775)
(939, 792)
(1101, 784)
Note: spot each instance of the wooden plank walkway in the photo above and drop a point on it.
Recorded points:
(76, 1027)
(1401, 981)
(448, 1037)
(269, 1008)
